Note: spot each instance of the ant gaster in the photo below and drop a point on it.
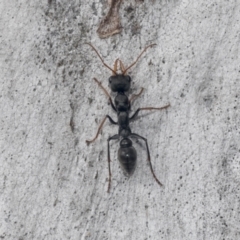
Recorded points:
(120, 83)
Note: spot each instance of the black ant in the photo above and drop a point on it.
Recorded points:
(120, 83)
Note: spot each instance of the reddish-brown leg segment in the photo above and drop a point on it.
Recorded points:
(100, 127)
(134, 96)
(147, 108)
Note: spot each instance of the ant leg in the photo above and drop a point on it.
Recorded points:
(147, 108)
(148, 154)
(134, 96)
(106, 92)
(109, 160)
(100, 127)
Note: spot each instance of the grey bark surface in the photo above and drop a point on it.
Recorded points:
(53, 186)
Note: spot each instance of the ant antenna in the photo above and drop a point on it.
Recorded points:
(114, 71)
(138, 57)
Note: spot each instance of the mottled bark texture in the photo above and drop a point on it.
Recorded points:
(54, 186)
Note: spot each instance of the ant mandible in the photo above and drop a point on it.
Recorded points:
(120, 83)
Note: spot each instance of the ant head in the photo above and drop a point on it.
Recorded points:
(120, 83)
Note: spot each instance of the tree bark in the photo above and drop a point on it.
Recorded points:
(54, 186)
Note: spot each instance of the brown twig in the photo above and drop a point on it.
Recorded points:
(110, 24)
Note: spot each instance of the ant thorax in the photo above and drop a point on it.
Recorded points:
(122, 102)
(123, 119)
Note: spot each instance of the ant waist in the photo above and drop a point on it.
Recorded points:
(124, 132)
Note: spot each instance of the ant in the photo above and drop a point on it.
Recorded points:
(120, 83)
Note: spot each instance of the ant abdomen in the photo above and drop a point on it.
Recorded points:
(127, 156)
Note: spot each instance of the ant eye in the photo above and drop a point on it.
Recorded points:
(129, 79)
